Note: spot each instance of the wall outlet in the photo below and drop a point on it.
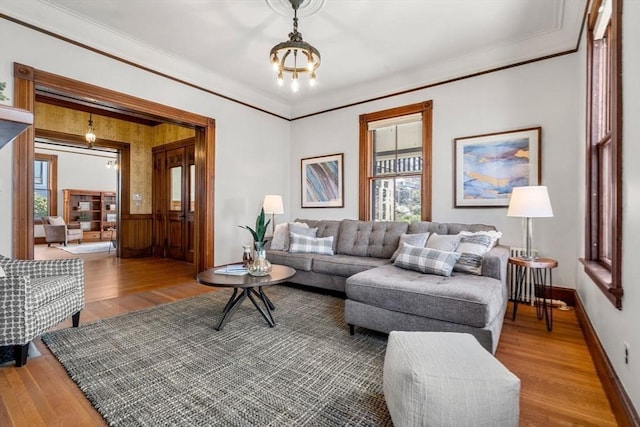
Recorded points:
(626, 353)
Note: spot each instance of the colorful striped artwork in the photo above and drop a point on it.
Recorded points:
(322, 181)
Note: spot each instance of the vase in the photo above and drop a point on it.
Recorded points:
(260, 265)
(247, 258)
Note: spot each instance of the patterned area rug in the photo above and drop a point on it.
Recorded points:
(167, 365)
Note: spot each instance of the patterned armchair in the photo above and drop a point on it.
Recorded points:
(56, 231)
(35, 296)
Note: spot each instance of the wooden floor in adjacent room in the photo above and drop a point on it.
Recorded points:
(559, 384)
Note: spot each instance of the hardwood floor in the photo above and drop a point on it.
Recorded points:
(559, 384)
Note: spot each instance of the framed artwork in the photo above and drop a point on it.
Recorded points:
(322, 181)
(488, 167)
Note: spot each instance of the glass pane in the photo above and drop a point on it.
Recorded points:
(396, 199)
(606, 208)
(384, 150)
(382, 200)
(409, 156)
(40, 174)
(40, 203)
(176, 189)
(192, 188)
(408, 199)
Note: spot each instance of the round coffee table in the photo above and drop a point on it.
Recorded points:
(247, 284)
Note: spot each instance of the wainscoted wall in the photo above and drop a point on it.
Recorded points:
(140, 137)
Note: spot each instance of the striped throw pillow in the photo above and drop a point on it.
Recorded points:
(426, 260)
(473, 247)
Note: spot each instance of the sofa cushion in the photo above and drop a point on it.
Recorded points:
(474, 247)
(297, 261)
(369, 238)
(345, 265)
(311, 245)
(427, 227)
(425, 260)
(461, 298)
(419, 240)
(455, 228)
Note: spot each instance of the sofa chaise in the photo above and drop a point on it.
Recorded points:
(383, 297)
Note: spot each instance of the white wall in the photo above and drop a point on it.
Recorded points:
(615, 327)
(539, 94)
(252, 148)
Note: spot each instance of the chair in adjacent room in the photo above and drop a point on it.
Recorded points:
(57, 231)
(35, 296)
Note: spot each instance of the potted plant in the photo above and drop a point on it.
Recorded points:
(260, 265)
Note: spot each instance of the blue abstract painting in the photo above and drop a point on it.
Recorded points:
(488, 169)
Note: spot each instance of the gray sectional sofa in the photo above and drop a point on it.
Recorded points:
(383, 297)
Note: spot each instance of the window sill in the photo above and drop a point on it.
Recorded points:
(604, 281)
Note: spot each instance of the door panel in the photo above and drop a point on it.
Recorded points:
(174, 210)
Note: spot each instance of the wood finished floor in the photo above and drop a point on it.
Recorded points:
(559, 385)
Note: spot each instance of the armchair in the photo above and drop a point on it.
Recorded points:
(57, 231)
(35, 296)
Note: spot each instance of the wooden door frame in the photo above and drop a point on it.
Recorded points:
(27, 79)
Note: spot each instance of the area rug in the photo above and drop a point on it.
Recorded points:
(87, 248)
(167, 365)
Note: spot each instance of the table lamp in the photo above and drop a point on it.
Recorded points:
(530, 202)
(273, 205)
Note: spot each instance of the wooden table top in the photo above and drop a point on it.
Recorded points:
(279, 274)
(534, 262)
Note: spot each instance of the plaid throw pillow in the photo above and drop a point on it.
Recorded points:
(473, 247)
(418, 239)
(311, 245)
(426, 260)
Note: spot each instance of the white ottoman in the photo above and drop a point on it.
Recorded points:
(447, 379)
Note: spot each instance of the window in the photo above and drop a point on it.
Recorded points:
(395, 164)
(45, 172)
(604, 150)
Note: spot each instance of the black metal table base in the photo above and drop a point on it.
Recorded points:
(235, 300)
(542, 280)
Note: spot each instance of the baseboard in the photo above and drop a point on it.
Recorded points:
(621, 405)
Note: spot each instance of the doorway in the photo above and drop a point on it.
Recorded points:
(134, 228)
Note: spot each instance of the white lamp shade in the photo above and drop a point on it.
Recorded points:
(530, 202)
(273, 204)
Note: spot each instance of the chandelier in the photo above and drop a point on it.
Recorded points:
(90, 136)
(295, 56)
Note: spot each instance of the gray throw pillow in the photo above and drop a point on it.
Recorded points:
(418, 239)
(443, 242)
(425, 260)
(296, 228)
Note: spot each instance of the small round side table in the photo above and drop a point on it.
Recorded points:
(539, 272)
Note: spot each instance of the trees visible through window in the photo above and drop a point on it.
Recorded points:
(604, 183)
(395, 170)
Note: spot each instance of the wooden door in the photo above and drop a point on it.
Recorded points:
(174, 201)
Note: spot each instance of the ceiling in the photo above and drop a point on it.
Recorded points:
(369, 48)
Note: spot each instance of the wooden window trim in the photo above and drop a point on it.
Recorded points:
(366, 155)
(53, 182)
(606, 276)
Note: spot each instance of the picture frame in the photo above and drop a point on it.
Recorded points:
(322, 181)
(84, 206)
(487, 167)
